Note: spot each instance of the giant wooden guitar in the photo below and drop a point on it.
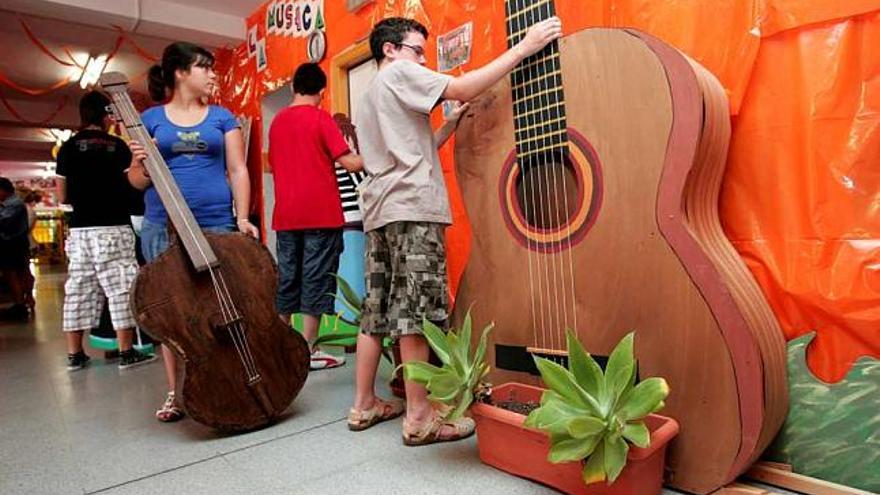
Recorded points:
(210, 298)
(591, 180)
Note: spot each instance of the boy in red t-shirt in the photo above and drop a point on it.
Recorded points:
(304, 143)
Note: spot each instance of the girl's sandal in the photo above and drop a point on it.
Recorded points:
(382, 410)
(170, 411)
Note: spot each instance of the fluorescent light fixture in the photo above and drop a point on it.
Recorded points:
(94, 67)
(60, 135)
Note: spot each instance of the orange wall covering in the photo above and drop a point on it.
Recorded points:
(801, 199)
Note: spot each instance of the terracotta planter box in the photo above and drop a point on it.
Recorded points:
(504, 443)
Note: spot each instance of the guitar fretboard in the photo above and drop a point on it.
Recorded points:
(536, 85)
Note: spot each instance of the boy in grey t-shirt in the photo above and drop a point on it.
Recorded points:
(406, 211)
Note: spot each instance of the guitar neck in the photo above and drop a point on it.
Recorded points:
(536, 86)
(191, 236)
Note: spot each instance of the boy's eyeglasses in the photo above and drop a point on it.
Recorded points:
(419, 51)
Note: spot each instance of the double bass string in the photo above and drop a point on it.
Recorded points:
(518, 78)
(227, 307)
(129, 115)
(239, 328)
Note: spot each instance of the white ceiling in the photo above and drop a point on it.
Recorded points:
(85, 28)
(238, 8)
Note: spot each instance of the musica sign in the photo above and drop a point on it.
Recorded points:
(296, 18)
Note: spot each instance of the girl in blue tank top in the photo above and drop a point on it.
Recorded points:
(204, 149)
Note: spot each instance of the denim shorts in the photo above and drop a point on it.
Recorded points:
(307, 260)
(154, 237)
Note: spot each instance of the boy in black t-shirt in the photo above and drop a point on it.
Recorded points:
(100, 249)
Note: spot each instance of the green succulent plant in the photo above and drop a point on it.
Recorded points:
(594, 416)
(354, 304)
(459, 379)
(350, 300)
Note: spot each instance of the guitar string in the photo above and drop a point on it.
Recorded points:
(539, 197)
(556, 66)
(558, 270)
(518, 78)
(540, 166)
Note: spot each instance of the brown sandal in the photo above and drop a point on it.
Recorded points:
(429, 431)
(382, 410)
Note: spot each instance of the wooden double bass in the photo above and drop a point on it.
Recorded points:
(591, 180)
(210, 298)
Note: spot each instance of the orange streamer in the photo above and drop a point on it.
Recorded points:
(40, 45)
(61, 104)
(33, 91)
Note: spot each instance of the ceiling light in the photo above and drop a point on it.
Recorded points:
(60, 135)
(91, 73)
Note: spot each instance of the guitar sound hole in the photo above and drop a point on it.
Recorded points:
(547, 192)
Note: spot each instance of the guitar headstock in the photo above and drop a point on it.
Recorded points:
(113, 82)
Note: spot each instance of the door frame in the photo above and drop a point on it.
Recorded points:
(344, 61)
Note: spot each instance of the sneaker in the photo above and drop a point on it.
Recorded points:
(133, 357)
(77, 361)
(323, 361)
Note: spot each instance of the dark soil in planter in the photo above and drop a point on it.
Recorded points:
(512, 404)
(523, 408)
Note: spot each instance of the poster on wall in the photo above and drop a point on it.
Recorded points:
(454, 47)
(262, 59)
(295, 18)
(252, 41)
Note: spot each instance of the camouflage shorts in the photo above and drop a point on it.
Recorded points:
(405, 268)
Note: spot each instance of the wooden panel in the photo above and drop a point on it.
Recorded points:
(772, 475)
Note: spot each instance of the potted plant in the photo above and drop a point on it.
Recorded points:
(459, 378)
(588, 426)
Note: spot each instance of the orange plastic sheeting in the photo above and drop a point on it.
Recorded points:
(720, 34)
(236, 78)
(801, 199)
(780, 15)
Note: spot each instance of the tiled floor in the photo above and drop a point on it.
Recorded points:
(93, 431)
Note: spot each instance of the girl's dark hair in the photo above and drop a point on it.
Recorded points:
(177, 56)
